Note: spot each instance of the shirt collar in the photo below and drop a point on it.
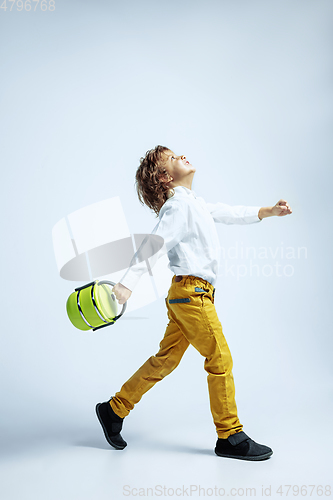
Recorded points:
(182, 190)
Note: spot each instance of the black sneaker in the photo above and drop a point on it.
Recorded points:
(111, 424)
(240, 446)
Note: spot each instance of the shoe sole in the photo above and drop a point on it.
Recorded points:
(116, 446)
(252, 458)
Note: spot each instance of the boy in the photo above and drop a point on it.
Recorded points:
(187, 225)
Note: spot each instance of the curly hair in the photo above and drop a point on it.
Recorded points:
(149, 186)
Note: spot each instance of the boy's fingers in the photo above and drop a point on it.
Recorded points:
(285, 210)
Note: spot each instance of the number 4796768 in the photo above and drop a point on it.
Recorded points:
(28, 5)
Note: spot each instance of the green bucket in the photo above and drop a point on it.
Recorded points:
(93, 306)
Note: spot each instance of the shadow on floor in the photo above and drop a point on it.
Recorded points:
(144, 445)
(14, 446)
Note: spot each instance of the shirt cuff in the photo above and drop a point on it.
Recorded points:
(130, 279)
(252, 215)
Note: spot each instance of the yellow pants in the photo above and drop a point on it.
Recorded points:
(192, 320)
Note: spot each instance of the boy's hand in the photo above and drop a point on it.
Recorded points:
(281, 208)
(121, 292)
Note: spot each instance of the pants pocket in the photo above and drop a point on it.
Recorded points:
(198, 289)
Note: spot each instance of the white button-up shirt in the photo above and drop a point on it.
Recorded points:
(187, 226)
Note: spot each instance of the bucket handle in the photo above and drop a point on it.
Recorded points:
(103, 282)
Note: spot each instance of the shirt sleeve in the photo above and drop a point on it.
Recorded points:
(236, 214)
(172, 227)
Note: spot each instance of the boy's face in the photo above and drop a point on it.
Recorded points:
(180, 170)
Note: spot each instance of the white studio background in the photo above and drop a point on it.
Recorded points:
(244, 90)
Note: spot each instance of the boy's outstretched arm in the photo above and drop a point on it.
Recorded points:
(282, 207)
